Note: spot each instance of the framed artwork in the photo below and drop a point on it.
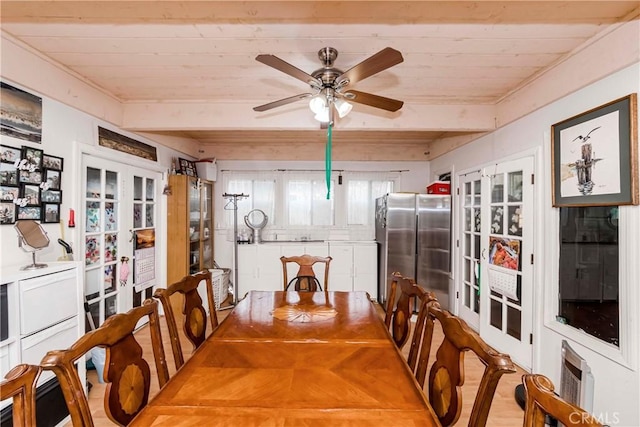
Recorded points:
(187, 167)
(28, 177)
(51, 196)
(595, 156)
(20, 114)
(29, 212)
(115, 141)
(52, 178)
(9, 193)
(51, 212)
(7, 213)
(52, 162)
(31, 192)
(9, 154)
(33, 158)
(8, 174)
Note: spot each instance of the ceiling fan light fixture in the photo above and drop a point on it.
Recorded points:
(342, 107)
(323, 116)
(318, 103)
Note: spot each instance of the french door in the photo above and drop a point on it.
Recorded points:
(469, 220)
(506, 270)
(118, 220)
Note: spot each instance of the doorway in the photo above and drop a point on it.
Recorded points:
(495, 241)
(118, 220)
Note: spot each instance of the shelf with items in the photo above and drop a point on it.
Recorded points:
(190, 241)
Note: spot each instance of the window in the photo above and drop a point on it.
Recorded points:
(307, 203)
(262, 196)
(361, 196)
(292, 199)
(588, 267)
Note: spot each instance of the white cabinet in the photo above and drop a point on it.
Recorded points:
(259, 268)
(45, 311)
(365, 268)
(341, 270)
(354, 267)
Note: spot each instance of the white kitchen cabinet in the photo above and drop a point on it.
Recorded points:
(354, 267)
(365, 268)
(259, 268)
(44, 311)
(341, 270)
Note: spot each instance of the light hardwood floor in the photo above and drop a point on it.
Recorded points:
(505, 412)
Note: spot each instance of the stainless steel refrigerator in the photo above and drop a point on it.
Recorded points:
(413, 232)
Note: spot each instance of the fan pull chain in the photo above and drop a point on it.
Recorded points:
(327, 161)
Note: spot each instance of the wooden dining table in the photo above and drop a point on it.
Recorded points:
(294, 359)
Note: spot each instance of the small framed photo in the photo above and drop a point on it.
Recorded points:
(187, 167)
(51, 196)
(8, 194)
(33, 156)
(7, 213)
(52, 178)
(51, 212)
(31, 193)
(52, 162)
(27, 177)
(8, 174)
(9, 154)
(29, 212)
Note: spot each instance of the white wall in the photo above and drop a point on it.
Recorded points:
(66, 132)
(617, 381)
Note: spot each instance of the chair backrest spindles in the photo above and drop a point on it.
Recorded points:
(305, 264)
(126, 372)
(446, 375)
(20, 383)
(541, 401)
(195, 316)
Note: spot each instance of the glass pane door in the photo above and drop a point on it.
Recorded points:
(143, 234)
(507, 239)
(119, 236)
(102, 236)
(469, 249)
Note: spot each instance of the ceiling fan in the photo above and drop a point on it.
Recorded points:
(329, 85)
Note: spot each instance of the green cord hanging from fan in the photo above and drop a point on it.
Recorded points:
(327, 161)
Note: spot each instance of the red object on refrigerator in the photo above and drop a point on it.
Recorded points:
(439, 187)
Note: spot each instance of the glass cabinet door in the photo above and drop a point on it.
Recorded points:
(207, 225)
(195, 233)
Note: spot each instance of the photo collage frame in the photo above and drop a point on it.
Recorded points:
(30, 185)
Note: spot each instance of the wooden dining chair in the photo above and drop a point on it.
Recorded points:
(446, 376)
(126, 373)
(20, 383)
(305, 279)
(541, 400)
(195, 316)
(398, 314)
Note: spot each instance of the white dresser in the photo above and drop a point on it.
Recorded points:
(41, 310)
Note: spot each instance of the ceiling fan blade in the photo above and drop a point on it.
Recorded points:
(387, 57)
(282, 102)
(376, 101)
(285, 67)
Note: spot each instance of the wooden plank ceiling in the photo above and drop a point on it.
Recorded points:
(187, 69)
